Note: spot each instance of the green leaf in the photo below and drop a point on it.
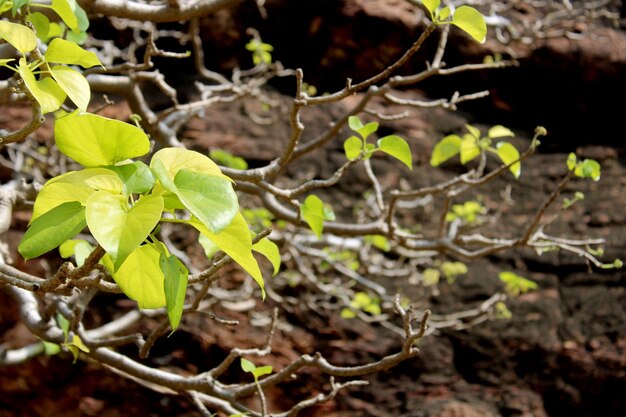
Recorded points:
(446, 148)
(74, 84)
(118, 228)
(136, 176)
(52, 229)
(61, 51)
(469, 148)
(81, 15)
(444, 13)
(140, 277)
(367, 130)
(471, 21)
(17, 4)
(571, 161)
(353, 147)
(398, 148)
(208, 197)
(588, 168)
(473, 131)
(515, 284)
(103, 141)
(41, 23)
(500, 132)
(75, 186)
(78, 248)
(64, 9)
(209, 247)
(355, 123)
(19, 36)
(270, 250)
(262, 370)
(235, 241)
(46, 91)
(227, 159)
(174, 159)
(247, 366)
(175, 285)
(312, 212)
(509, 154)
(431, 5)
(379, 241)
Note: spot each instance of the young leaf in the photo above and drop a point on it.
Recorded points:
(136, 176)
(471, 21)
(431, 5)
(19, 36)
(367, 130)
(571, 161)
(469, 148)
(508, 154)
(515, 284)
(175, 284)
(61, 51)
(74, 84)
(174, 159)
(75, 186)
(379, 241)
(247, 366)
(473, 131)
(353, 147)
(78, 248)
(355, 123)
(270, 250)
(398, 148)
(312, 212)
(500, 132)
(235, 241)
(262, 370)
(140, 277)
(66, 13)
(208, 197)
(52, 229)
(588, 168)
(118, 228)
(47, 92)
(103, 141)
(445, 149)
(41, 23)
(444, 13)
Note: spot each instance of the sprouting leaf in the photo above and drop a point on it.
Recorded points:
(52, 229)
(469, 148)
(74, 84)
(118, 228)
(444, 13)
(379, 241)
(515, 284)
(347, 313)
(431, 5)
(398, 148)
(588, 168)
(509, 154)
(364, 130)
(136, 176)
(355, 123)
(140, 277)
(353, 147)
(473, 131)
(571, 161)
(227, 159)
(46, 91)
(236, 242)
(256, 372)
(312, 212)
(75, 346)
(270, 250)
(175, 285)
(500, 132)
(431, 276)
(501, 311)
(75, 186)
(247, 366)
(103, 141)
(78, 248)
(19, 36)
(61, 51)
(471, 21)
(445, 149)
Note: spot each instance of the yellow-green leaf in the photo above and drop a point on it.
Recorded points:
(431, 5)
(471, 21)
(353, 147)
(19, 36)
(65, 11)
(445, 149)
(74, 84)
(312, 212)
(41, 23)
(270, 250)
(571, 161)
(61, 51)
(509, 154)
(469, 148)
(588, 168)
(46, 91)
(473, 131)
(398, 148)
(500, 132)
(175, 285)
(140, 277)
(78, 248)
(118, 228)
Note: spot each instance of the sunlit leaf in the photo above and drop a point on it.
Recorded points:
(469, 148)
(236, 242)
(398, 148)
(140, 277)
(500, 132)
(74, 84)
(175, 159)
(65, 11)
(78, 248)
(445, 149)
(509, 154)
(103, 141)
(136, 176)
(571, 161)
(270, 250)
(588, 168)
(355, 123)
(312, 212)
(46, 91)
(19, 36)
(473, 131)
(444, 13)
(61, 51)
(515, 284)
(118, 228)
(353, 147)
(41, 23)
(431, 5)
(471, 21)
(52, 229)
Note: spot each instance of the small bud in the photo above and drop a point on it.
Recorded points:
(541, 131)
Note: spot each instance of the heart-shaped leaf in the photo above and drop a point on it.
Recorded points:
(353, 147)
(398, 148)
(65, 11)
(19, 36)
(61, 51)
(140, 277)
(509, 154)
(445, 149)
(52, 229)
(46, 91)
(118, 228)
(74, 84)
(103, 141)
(469, 148)
(471, 21)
